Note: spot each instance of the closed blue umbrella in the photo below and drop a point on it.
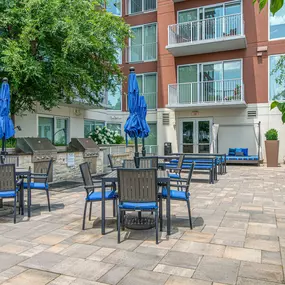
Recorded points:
(133, 127)
(6, 124)
(145, 127)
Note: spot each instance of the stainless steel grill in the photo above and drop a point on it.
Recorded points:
(41, 149)
(89, 148)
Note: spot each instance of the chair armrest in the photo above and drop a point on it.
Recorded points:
(19, 182)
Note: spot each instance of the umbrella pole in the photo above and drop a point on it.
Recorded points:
(143, 148)
(136, 153)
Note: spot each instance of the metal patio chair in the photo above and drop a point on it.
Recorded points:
(149, 162)
(111, 163)
(91, 196)
(9, 187)
(137, 191)
(181, 193)
(40, 182)
(129, 163)
(176, 172)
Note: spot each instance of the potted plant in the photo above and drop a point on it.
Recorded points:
(272, 148)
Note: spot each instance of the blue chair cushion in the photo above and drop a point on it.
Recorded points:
(174, 175)
(8, 194)
(36, 185)
(245, 151)
(97, 196)
(138, 206)
(232, 151)
(176, 195)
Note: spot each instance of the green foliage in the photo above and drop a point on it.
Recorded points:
(281, 108)
(271, 135)
(10, 143)
(59, 50)
(119, 140)
(105, 136)
(275, 5)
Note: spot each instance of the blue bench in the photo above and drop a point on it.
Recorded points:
(240, 155)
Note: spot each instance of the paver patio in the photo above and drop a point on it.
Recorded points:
(238, 238)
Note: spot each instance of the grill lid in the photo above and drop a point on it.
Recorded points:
(34, 145)
(84, 144)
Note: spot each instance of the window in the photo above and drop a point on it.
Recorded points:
(277, 91)
(148, 87)
(207, 82)
(140, 6)
(119, 56)
(114, 7)
(143, 45)
(114, 99)
(277, 25)
(151, 140)
(55, 129)
(90, 125)
(115, 127)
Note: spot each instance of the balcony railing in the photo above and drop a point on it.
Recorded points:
(140, 6)
(208, 29)
(141, 53)
(208, 92)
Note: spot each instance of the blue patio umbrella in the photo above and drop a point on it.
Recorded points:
(142, 110)
(133, 127)
(6, 124)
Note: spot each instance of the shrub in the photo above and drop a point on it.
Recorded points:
(10, 143)
(271, 135)
(105, 136)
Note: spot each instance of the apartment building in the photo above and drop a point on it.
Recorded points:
(205, 69)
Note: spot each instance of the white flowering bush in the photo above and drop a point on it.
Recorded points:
(105, 136)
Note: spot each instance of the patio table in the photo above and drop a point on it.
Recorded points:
(162, 179)
(26, 173)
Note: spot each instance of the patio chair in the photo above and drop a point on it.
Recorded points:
(129, 163)
(43, 184)
(176, 172)
(149, 162)
(9, 187)
(91, 196)
(137, 191)
(111, 162)
(9, 159)
(180, 194)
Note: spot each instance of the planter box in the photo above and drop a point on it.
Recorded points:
(272, 153)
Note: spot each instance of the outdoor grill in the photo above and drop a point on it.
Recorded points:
(41, 150)
(89, 148)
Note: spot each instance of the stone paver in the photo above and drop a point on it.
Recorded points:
(238, 239)
(217, 270)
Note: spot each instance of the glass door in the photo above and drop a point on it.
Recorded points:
(212, 84)
(189, 31)
(213, 22)
(188, 86)
(46, 128)
(196, 136)
(188, 137)
(204, 136)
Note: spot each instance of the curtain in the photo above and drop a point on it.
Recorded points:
(150, 90)
(215, 131)
(150, 42)
(136, 45)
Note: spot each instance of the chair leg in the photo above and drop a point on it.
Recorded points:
(15, 208)
(123, 219)
(84, 215)
(48, 199)
(114, 208)
(90, 211)
(119, 224)
(156, 226)
(160, 214)
(189, 213)
(19, 201)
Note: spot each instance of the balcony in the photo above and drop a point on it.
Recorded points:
(217, 93)
(141, 53)
(207, 36)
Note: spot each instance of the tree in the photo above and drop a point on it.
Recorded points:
(275, 5)
(59, 50)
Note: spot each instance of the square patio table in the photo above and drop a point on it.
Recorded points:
(162, 179)
(26, 173)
